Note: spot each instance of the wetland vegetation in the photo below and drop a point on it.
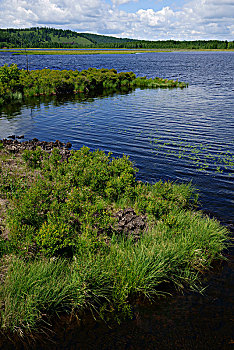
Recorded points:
(17, 84)
(79, 232)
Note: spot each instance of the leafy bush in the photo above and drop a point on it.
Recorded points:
(9, 74)
(33, 158)
(10, 85)
(63, 87)
(55, 238)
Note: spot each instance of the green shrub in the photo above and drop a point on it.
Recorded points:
(33, 157)
(9, 74)
(16, 83)
(64, 87)
(30, 208)
(55, 238)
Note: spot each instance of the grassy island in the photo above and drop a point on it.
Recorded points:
(16, 84)
(84, 51)
(100, 51)
(79, 232)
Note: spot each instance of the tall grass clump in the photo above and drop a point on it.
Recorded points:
(84, 234)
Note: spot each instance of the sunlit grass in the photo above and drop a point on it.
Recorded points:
(97, 51)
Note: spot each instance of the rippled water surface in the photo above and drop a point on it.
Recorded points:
(183, 135)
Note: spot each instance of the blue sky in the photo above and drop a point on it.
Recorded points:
(156, 5)
(138, 19)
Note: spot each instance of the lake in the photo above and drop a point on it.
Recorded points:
(178, 135)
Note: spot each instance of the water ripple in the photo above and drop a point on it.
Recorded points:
(175, 134)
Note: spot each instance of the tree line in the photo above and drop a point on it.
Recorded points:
(37, 37)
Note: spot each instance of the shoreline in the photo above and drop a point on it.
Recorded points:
(96, 51)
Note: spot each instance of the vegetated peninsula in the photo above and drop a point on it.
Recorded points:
(17, 84)
(38, 37)
(79, 232)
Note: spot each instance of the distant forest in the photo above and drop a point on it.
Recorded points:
(37, 37)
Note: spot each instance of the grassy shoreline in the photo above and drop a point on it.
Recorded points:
(81, 233)
(17, 84)
(98, 51)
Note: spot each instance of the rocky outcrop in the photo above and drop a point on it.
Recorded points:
(14, 146)
(130, 224)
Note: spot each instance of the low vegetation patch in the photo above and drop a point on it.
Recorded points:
(84, 52)
(81, 233)
(17, 84)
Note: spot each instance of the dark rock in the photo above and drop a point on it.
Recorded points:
(68, 144)
(15, 146)
(58, 143)
(130, 224)
(12, 149)
(20, 137)
(11, 137)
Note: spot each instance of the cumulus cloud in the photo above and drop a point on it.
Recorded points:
(155, 19)
(197, 19)
(212, 8)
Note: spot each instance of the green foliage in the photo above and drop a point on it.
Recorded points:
(67, 211)
(9, 74)
(68, 199)
(33, 158)
(16, 84)
(3, 247)
(30, 209)
(6, 247)
(35, 288)
(59, 38)
(10, 85)
(63, 87)
(54, 238)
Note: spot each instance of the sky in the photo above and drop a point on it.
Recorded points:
(137, 19)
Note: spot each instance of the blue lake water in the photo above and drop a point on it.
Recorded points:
(183, 135)
(179, 135)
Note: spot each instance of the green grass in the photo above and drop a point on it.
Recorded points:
(98, 51)
(80, 261)
(86, 52)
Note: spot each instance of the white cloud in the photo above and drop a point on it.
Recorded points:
(121, 2)
(197, 19)
(212, 8)
(155, 19)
